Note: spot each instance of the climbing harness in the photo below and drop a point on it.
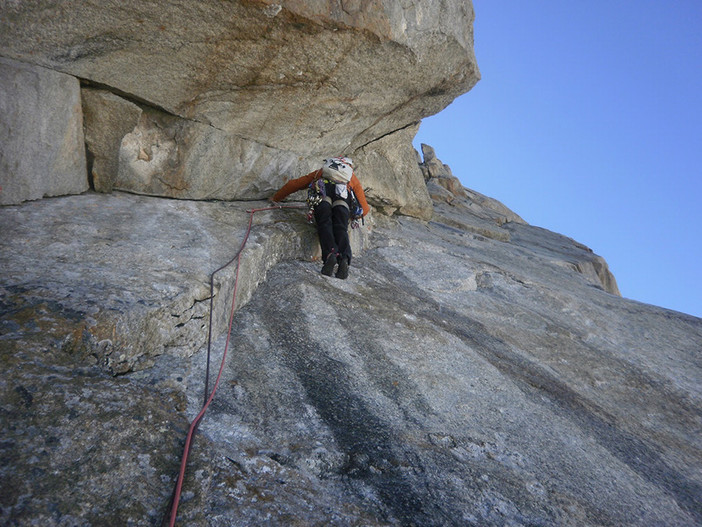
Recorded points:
(170, 517)
(317, 192)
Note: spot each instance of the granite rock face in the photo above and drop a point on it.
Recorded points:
(97, 250)
(468, 372)
(244, 66)
(41, 134)
(167, 156)
(107, 119)
(238, 96)
(392, 179)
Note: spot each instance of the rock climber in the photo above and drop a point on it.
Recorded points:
(335, 186)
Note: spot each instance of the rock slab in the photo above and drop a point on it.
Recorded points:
(467, 373)
(42, 152)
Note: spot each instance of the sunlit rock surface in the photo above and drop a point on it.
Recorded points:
(466, 373)
(226, 100)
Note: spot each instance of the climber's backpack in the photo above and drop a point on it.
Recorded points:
(338, 169)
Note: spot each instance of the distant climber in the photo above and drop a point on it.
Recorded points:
(336, 195)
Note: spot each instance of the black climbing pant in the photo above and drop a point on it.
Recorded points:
(333, 229)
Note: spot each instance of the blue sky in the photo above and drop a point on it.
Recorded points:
(588, 122)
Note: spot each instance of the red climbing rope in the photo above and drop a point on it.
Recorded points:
(208, 399)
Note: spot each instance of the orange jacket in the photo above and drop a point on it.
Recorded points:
(298, 184)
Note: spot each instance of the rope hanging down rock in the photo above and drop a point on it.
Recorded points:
(170, 517)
